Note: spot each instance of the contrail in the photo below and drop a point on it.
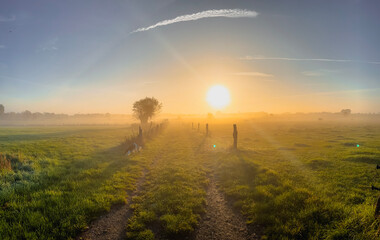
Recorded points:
(307, 59)
(228, 13)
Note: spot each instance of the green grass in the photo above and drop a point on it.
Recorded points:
(302, 181)
(173, 196)
(61, 178)
(292, 180)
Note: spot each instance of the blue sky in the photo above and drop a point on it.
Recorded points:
(80, 56)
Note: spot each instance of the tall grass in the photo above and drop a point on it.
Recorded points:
(5, 164)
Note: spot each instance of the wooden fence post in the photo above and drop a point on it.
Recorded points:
(235, 135)
(377, 210)
(206, 129)
(192, 125)
(140, 135)
(198, 127)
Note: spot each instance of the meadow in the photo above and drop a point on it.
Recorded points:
(289, 179)
(302, 180)
(61, 178)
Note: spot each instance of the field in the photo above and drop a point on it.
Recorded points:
(303, 180)
(287, 180)
(61, 178)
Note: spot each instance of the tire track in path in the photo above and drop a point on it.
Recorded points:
(220, 222)
(112, 225)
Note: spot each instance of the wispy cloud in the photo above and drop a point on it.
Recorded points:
(49, 48)
(318, 73)
(253, 74)
(7, 18)
(313, 73)
(228, 13)
(248, 58)
(50, 45)
(2, 46)
(148, 83)
(352, 91)
(340, 92)
(13, 79)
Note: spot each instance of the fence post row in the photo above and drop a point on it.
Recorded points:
(235, 135)
(140, 135)
(377, 209)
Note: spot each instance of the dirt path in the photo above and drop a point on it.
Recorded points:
(112, 226)
(220, 221)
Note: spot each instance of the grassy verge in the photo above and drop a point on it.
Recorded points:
(300, 181)
(61, 178)
(173, 196)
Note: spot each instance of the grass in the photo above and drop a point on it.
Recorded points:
(291, 180)
(173, 196)
(302, 181)
(61, 178)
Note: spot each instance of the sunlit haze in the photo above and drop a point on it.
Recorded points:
(274, 56)
(218, 97)
(189, 119)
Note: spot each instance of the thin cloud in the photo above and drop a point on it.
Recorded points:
(341, 92)
(248, 58)
(49, 48)
(2, 46)
(7, 19)
(50, 45)
(148, 83)
(318, 73)
(228, 13)
(348, 91)
(253, 74)
(312, 74)
(21, 80)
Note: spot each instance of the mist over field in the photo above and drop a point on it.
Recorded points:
(29, 118)
(189, 120)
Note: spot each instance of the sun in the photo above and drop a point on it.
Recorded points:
(218, 96)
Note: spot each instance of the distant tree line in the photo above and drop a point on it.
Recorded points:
(28, 115)
(2, 109)
(346, 112)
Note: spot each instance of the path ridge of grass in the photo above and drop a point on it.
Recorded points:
(173, 196)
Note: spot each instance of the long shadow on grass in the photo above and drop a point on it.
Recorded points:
(64, 218)
(364, 159)
(238, 166)
(43, 136)
(73, 169)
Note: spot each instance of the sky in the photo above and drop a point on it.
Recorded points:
(95, 56)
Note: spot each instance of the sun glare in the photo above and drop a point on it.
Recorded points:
(218, 97)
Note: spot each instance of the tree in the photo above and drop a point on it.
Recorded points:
(146, 108)
(1, 109)
(346, 112)
(26, 114)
